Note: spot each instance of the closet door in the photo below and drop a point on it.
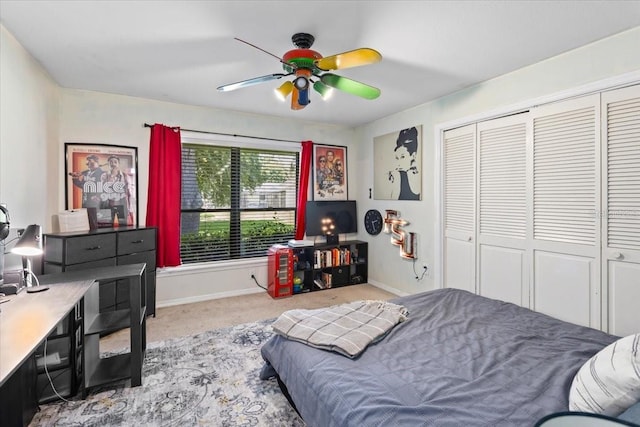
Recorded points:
(621, 209)
(566, 198)
(459, 208)
(503, 258)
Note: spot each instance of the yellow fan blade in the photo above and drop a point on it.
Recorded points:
(353, 58)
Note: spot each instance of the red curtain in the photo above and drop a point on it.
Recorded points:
(303, 187)
(163, 196)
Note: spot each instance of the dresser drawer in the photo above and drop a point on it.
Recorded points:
(148, 257)
(76, 250)
(136, 241)
(107, 262)
(59, 268)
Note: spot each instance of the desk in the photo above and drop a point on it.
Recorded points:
(25, 321)
(28, 319)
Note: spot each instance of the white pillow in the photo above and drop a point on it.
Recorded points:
(609, 382)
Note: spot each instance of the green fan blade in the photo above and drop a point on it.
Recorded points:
(353, 58)
(350, 86)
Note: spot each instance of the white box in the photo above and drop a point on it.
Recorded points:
(73, 220)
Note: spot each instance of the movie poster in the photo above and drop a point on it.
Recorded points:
(103, 179)
(329, 172)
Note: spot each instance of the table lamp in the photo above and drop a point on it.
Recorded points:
(30, 244)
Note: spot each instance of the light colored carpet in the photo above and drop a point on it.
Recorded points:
(190, 319)
(208, 379)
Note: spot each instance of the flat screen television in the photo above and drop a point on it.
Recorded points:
(342, 214)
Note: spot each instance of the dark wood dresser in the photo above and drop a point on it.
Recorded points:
(105, 247)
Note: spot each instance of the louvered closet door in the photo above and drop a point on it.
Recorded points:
(503, 264)
(459, 208)
(621, 208)
(566, 198)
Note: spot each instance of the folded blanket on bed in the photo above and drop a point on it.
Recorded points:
(346, 329)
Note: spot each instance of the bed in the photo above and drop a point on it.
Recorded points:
(458, 360)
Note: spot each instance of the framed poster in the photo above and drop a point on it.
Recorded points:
(103, 179)
(329, 172)
(397, 159)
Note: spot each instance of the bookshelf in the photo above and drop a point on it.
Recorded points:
(325, 266)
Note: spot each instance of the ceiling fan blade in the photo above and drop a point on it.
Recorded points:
(353, 58)
(292, 65)
(250, 82)
(350, 86)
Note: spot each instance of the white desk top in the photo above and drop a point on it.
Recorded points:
(27, 319)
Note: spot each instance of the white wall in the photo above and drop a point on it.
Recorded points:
(28, 138)
(28, 133)
(37, 118)
(614, 56)
(92, 117)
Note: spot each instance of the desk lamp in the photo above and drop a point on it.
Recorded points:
(30, 244)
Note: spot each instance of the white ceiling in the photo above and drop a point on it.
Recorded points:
(180, 51)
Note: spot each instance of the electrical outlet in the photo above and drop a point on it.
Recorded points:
(426, 270)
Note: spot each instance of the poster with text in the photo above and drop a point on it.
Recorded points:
(103, 179)
(329, 172)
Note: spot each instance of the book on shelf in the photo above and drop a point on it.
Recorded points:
(332, 257)
(326, 278)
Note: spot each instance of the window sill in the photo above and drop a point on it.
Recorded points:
(210, 267)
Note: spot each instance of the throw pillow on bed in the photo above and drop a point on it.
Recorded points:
(609, 382)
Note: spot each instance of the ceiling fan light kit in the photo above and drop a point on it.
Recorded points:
(284, 90)
(324, 90)
(301, 83)
(308, 66)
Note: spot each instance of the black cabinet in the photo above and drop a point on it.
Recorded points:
(94, 368)
(326, 266)
(106, 247)
(18, 399)
(59, 358)
(101, 368)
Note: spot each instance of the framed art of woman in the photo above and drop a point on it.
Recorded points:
(397, 159)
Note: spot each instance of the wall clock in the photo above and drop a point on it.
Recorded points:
(373, 222)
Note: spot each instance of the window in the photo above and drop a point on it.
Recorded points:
(236, 201)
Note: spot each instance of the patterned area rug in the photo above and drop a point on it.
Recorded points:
(209, 379)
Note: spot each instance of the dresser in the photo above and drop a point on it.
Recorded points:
(105, 247)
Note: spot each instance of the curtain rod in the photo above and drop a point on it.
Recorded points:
(147, 125)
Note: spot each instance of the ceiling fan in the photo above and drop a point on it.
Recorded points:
(311, 69)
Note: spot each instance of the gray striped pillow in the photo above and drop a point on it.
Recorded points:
(609, 382)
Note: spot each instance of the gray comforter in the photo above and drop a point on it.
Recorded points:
(459, 360)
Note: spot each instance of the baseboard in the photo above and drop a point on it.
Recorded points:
(388, 288)
(240, 292)
(208, 297)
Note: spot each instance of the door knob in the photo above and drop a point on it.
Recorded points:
(618, 255)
